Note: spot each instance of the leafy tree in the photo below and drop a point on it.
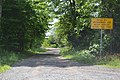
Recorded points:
(111, 9)
(24, 22)
(50, 42)
(74, 21)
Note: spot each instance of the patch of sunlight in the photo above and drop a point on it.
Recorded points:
(68, 56)
(4, 68)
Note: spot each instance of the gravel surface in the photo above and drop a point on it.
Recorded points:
(51, 66)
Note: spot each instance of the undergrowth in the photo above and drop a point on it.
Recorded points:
(84, 56)
(9, 58)
(112, 61)
(79, 56)
(37, 50)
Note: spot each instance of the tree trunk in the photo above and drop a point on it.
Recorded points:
(72, 37)
(31, 43)
(0, 16)
(0, 11)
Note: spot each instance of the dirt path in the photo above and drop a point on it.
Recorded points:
(54, 67)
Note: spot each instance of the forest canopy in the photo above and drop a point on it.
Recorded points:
(25, 22)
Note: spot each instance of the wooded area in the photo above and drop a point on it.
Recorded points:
(23, 24)
(73, 27)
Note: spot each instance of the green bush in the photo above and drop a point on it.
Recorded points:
(46, 43)
(37, 50)
(83, 56)
(66, 51)
(94, 49)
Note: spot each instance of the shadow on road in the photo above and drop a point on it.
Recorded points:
(49, 59)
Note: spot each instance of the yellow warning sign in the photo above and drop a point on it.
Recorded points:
(102, 23)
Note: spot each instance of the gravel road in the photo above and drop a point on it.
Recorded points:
(51, 66)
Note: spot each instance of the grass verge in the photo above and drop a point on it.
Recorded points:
(112, 61)
(8, 58)
(79, 56)
(84, 56)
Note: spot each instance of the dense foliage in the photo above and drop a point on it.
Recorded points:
(74, 24)
(24, 24)
(111, 9)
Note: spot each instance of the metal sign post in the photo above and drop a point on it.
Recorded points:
(101, 41)
(101, 23)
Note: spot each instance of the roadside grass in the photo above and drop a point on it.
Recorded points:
(112, 61)
(84, 56)
(79, 56)
(9, 58)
